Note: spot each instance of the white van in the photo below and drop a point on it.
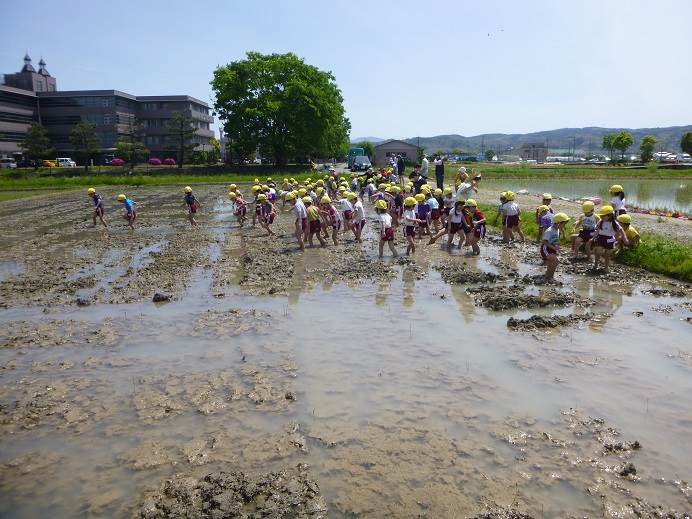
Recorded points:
(65, 162)
(8, 163)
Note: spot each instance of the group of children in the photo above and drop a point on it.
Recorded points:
(325, 207)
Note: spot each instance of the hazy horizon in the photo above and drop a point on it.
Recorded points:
(450, 68)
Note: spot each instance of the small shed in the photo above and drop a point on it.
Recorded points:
(392, 147)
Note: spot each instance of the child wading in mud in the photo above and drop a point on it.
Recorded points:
(550, 244)
(584, 230)
(358, 216)
(410, 223)
(130, 212)
(386, 229)
(456, 224)
(239, 207)
(98, 206)
(608, 232)
(314, 222)
(511, 218)
(475, 220)
(192, 205)
(267, 213)
(330, 217)
(301, 216)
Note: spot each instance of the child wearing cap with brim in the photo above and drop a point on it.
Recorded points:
(584, 230)
(550, 244)
(386, 229)
(633, 238)
(608, 233)
(190, 201)
(98, 206)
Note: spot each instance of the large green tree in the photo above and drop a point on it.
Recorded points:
(609, 143)
(130, 146)
(368, 148)
(36, 144)
(489, 154)
(686, 143)
(623, 141)
(180, 135)
(646, 147)
(282, 106)
(86, 143)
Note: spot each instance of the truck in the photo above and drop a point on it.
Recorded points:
(353, 153)
(65, 162)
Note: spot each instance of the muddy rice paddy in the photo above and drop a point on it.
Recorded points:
(273, 383)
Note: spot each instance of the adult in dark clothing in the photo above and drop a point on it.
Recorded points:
(417, 180)
(439, 172)
(400, 166)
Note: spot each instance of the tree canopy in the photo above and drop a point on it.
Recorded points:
(623, 141)
(86, 143)
(130, 147)
(609, 143)
(646, 147)
(180, 135)
(281, 106)
(36, 143)
(686, 143)
(368, 148)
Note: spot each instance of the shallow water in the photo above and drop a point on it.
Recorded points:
(664, 194)
(403, 390)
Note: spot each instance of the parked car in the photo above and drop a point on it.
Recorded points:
(8, 163)
(169, 162)
(361, 163)
(65, 162)
(49, 164)
(117, 162)
(154, 161)
(29, 163)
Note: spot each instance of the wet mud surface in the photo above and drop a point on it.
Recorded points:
(265, 382)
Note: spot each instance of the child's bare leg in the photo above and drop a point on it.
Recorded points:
(381, 248)
(521, 234)
(551, 263)
(392, 248)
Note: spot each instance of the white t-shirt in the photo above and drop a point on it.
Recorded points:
(448, 201)
(551, 235)
(299, 210)
(345, 205)
(424, 167)
(385, 220)
(510, 209)
(410, 217)
(607, 229)
(617, 203)
(438, 162)
(464, 191)
(358, 212)
(455, 217)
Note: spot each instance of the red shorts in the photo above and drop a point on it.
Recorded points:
(99, 211)
(410, 230)
(607, 242)
(242, 211)
(511, 221)
(546, 250)
(479, 232)
(192, 208)
(315, 226)
(269, 219)
(132, 215)
(585, 235)
(348, 214)
(388, 234)
(435, 214)
(258, 210)
(303, 223)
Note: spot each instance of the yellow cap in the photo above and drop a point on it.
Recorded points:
(257, 181)
(121, 198)
(543, 209)
(319, 191)
(420, 197)
(471, 203)
(352, 196)
(232, 195)
(320, 182)
(503, 194)
(302, 192)
(587, 206)
(425, 188)
(342, 189)
(307, 200)
(448, 191)
(615, 188)
(261, 197)
(625, 218)
(509, 195)
(232, 187)
(437, 192)
(91, 191)
(325, 200)
(409, 201)
(560, 217)
(547, 196)
(389, 189)
(606, 209)
(265, 187)
(291, 195)
(256, 188)
(381, 204)
(188, 189)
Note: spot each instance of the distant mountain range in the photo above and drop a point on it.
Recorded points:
(585, 140)
(374, 140)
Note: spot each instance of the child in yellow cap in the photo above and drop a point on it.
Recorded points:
(585, 229)
(630, 233)
(608, 233)
(550, 244)
(386, 229)
(98, 206)
(192, 204)
(130, 212)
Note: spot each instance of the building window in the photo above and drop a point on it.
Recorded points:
(107, 119)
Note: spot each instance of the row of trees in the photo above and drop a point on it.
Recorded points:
(130, 146)
(623, 140)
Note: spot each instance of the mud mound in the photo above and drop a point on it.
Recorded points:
(288, 493)
(261, 266)
(507, 298)
(497, 512)
(460, 275)
(537, 322)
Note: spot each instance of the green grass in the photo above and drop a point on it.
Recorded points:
(576, 172)
(655, 253)
(660, 255)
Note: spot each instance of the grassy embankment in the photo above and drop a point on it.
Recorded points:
(655, 253)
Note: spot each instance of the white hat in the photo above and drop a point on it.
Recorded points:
(462, 169)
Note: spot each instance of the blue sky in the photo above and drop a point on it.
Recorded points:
(405, 68)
